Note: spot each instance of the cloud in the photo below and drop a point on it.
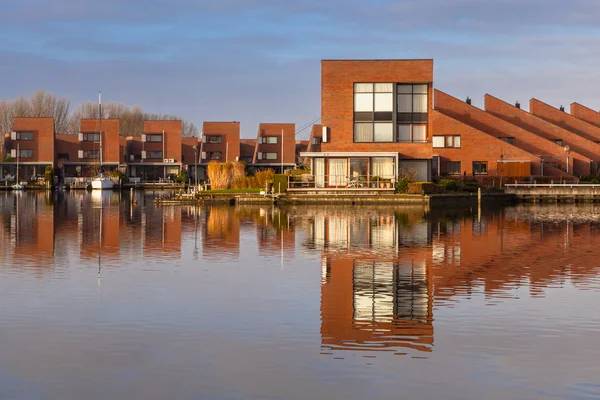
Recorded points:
(258, 60)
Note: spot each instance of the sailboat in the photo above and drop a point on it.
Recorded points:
(102, 181)
(17, 185)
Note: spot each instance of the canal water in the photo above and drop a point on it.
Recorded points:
(105, 296)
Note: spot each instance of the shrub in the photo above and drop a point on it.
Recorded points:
(116, 174)
(263, 176)
(280, 182)
(219, 175)
(421, 188)
(239, 170)
(449, 185)
(49, 174)
(402, 185)
(182, 177)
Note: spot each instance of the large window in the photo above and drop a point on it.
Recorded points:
(270, 156)
(24, 135)
(269, 139)
(479, 167)
(155, 154)
(214, 155)
(157, 138)
(453, 167)
(213, 139)
(91, 137)
(446, 141)
(381, 117)
(25, 153)
(91, 154)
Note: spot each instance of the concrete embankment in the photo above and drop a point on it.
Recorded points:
(551, 193)
(438, 200)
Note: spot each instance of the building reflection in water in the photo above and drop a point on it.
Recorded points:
(374, 295)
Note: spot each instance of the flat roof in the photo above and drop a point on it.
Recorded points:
(377, 59)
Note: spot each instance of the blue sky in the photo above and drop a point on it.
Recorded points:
(259, 60)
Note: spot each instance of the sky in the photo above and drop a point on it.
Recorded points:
(259, 60)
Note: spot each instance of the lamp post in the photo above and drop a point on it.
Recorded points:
(196, 165)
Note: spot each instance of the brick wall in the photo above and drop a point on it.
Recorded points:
(564, 120)
(477, 145)
(230, 140)
(110, 139)
(337, 100)
(172, 139)
(586, 114)
(525, 140)
(289, 143)
(43, 139)
(542, 128)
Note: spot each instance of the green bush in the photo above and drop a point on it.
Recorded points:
(280, 179)
(182, 177)
(402, 185)
(421, 188)
(449, 185)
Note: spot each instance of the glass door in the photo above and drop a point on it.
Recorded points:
(358, 172)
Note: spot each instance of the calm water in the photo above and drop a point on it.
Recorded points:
(104, 297)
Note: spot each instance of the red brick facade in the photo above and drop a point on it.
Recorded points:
(171, 136)
(543, 128)
(41, 144)
(528, 141)
(222, 140)
(110, 140)
(337, 101)
(284, 139)
(564, 120)
(586, 114)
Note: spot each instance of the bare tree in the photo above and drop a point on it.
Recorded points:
(5, 116)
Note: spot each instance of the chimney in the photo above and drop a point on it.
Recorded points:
(562, 109)
(468, 100)
(518, 105)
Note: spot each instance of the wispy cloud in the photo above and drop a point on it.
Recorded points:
(258, 60)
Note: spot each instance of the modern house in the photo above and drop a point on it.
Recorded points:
(32, 142)
(275, 147)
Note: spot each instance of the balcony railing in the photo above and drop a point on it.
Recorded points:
(308, 181)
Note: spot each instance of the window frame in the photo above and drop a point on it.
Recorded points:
(508, 139)
(210, 155)
(20, 135)
(151, 155)
(480, 163)
(151, 138)
(376, 116)
(268, 155)
(451, 171)
(86, 154)
(87, 135)
(28, 151)
(214, 139)
(265, 139)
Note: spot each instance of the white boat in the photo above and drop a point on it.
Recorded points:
(17, 185)
(102, 181)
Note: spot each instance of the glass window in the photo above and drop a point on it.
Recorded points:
(213, 139)
(25, 153)
(384, 132)
(479, 167)
(91, 154)
(439, 141)
(420, 103)
(453, 167)
(558, 142)
(420, 89)
(384, 87)
(153, 138)
(419, 133)
(24, 135)
(91, 137)
(270, 156)
(155, 154)
(404, 89)
(404, 133)
(456, 140)
(404, 103)
(214, 155)
(382, 167)
(363, 132)
(270, 139)
(358, 168)
(384, 102)
(316, 140)
(449, 141)
(363, 102)
(363, 87)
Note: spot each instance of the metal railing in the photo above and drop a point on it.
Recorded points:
(307, 181)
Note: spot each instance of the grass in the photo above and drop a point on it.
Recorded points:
(232, 191)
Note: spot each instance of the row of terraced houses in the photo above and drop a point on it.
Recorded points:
(379, 119)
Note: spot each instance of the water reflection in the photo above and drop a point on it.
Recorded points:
(384, 271)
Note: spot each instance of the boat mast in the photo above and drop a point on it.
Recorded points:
(100, 117)
(17, 182)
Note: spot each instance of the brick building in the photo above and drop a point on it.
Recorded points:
(157, 154)
(32, 142)
(376, 117)
(275, 147)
